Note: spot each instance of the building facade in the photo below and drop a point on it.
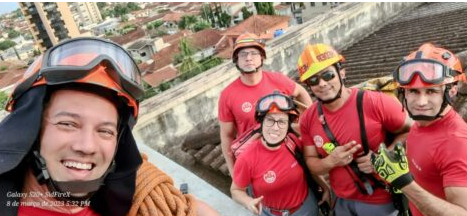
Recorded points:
(85, 13)
(50, 22)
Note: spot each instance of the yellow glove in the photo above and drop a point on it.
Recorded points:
(392, 165)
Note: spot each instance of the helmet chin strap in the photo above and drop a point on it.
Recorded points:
(446, 101)
(68, 188)
(87, 188)
(338, 95)
(251, 71)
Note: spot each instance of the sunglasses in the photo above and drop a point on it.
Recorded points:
(326, 76)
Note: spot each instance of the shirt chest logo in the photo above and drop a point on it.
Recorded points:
(246, 107)
(269, 177)
(318, 141)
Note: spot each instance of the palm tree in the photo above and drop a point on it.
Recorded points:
(188, 63)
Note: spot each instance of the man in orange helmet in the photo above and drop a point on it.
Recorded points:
(437, 143)
(237, 100)
(333, 140)
(67, 146)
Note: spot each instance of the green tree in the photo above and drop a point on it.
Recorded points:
(101, 5)
(225, 19)
(133, 6)
(3, 99)
(7, 44)
(200, 25)
(188, 65)
(13, 34)
(187, 22)
(264, 8)
(246, 13)
(124, 18)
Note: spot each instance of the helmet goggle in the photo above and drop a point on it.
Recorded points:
(280, 101)
(326, 76)
(430, 71)
(74, 59)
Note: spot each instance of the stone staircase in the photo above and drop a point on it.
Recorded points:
(379, 54)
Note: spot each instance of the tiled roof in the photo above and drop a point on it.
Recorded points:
(205, 38)
(175, 16)
(131, 36)
(224, 49)
(164, 74)
(281, 7)
(164, 57)
(12, 74)
(172, 39)
(257, 24)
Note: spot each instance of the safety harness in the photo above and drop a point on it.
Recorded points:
(399, 200)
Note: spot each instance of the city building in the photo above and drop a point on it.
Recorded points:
(85, 13)
(50, 22)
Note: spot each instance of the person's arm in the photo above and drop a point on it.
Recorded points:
(227, 133)
(239, 195)
(402, 132)
(430, 205)
(205, 210)
(302, 95)
(326, 189)
(340, 156)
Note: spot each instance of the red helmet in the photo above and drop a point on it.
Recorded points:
(85, 60)
(429, 66)
(248, 40)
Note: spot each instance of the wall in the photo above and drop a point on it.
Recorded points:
(166, 118)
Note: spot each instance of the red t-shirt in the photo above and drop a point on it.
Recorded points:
(437, 155)
(381, 113)
(237, 101)
(34, 211)
(274, 174)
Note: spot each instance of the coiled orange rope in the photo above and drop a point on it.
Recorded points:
(155, 194)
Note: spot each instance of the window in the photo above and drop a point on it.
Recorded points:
(312, 4)
(325, 3)
(143, 54)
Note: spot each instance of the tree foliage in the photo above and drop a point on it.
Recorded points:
(201, 25)
(264, 8)
(187, 22)
(246, 13)
(188, 63)
(13, 34)
(101, 5)
(3, 99)
(7, 44)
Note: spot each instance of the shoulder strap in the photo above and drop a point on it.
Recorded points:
(361, 118)
(322, 119)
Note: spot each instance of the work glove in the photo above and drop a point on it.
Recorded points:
(392, 166)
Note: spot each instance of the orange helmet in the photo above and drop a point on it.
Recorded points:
(315, 58)
(248, 40)
(429, 66)
(84, 60)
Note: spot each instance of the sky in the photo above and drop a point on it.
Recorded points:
(6, 7)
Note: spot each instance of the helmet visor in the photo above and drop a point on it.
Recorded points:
(429, 71)
(282, 102)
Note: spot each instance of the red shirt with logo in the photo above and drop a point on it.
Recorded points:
(274, 174)
(34, 211)
(381, 112)
(437, 155)
(237, 101)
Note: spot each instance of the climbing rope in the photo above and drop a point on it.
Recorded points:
(155, 194)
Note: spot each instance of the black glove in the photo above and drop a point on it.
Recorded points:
(392, 166)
